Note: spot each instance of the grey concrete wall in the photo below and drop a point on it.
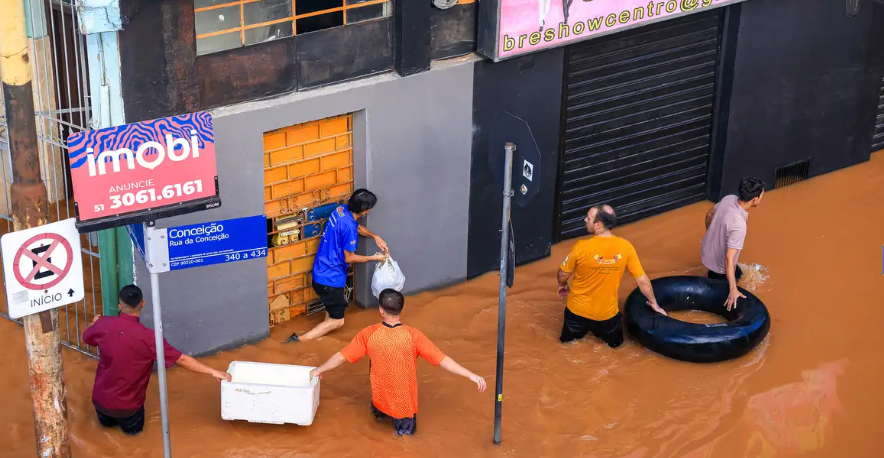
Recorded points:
(412, 141)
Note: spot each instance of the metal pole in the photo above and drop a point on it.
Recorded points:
(501, 310)
(30, 208)
(161, 351)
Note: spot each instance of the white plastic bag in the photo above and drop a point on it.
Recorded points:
(387, 275)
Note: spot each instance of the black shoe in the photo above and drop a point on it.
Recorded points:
(292, 338)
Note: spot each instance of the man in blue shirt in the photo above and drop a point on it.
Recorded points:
(337, 249)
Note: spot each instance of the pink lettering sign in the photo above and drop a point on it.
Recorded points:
(525, 26)
(143, 169)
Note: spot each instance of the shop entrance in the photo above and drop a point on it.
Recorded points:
(637, 120)
(308, 172)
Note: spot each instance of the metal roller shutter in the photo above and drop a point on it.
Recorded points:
(878, 139)
(638, 120)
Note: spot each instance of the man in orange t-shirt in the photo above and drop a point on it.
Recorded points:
(597, 265)
(393, 349)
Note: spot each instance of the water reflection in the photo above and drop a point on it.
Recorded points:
(787, 421)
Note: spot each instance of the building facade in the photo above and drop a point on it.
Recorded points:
(312, 102)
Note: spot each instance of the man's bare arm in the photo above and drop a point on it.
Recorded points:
(336, 360)
(363, 231)
(562, 290)
(353, 258)
(644, 284)
(730, 270)
(563, 277)
(451, 365)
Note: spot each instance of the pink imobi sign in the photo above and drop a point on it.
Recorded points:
(130, 172)
(525, 26)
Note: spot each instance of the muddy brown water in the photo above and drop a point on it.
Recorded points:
(813, 388)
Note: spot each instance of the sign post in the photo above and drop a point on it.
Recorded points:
(139, 173)
(152, 239)
(506, 279)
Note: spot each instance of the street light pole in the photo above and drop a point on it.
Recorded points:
(30, 209)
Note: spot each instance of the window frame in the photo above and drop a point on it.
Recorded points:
(292, 19)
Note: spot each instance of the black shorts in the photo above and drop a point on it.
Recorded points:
(738, 274)
(333, 299)
(576, 327)
(404, 426)
(130, 425)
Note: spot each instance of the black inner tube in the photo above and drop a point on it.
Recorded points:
(746, 326)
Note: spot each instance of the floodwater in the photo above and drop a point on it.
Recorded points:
(812, 388)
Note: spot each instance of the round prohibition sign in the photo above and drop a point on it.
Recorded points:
(41, 261)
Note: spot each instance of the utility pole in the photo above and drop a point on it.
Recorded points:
(30, 209)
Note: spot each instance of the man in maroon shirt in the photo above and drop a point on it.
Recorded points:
(127, 352)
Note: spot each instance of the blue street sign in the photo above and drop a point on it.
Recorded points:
(217, 242)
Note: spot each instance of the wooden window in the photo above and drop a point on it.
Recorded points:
(308, 170)
(225, 24)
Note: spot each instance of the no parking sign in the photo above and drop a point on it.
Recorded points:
(42, 267)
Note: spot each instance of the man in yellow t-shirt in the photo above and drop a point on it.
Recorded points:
(597, 266)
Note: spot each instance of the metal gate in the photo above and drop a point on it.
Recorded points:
(878, 139)
(62, 105)
(637, 121)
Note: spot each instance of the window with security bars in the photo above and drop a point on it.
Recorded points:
(225, 24)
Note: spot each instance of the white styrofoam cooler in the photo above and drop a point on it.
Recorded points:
(270, 393)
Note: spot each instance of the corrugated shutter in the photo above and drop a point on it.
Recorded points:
(878, 139)
(638, 120)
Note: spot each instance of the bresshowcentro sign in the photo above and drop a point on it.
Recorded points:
(520, 27)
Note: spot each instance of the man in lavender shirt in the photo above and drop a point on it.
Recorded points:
(725, 232)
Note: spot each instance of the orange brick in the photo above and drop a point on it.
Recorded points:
(334, 127)
(274, 141)
(302, 135)
(288, 188)
(288, 284)
(279, 302)
(302, 264)
(320, 181)
(278, 271)
(320, 147)
(302, 169)
(275, 175)
(297, 296)
(267, 195)
(297, 310)
(343, 141)
(337, 160)
(273, 208)
(343, 190)
(269, 288)
(345, 175)
(266, 160)
(287, 155)
(304, 200)
(309, 294)
(290, 251)
(312, 245)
